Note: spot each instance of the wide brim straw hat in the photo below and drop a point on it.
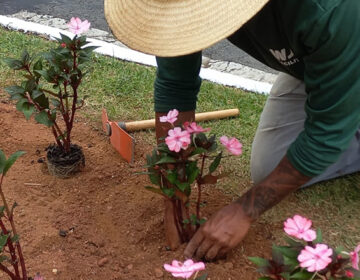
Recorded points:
(177, 27)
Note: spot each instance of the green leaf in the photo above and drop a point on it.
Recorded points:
(42, 100)
(45, 74)
(202, 277)
(25, 57)
(14, 64)
(16, 92)
(30, 85)
(168, 192)
(198, 151)
(3, 240)
(182, 185)
(15, 238)
(287, 251)
(171, 177)
(89, 49)
(293, 243)
(277, 255)
(38, 65)
(192, 171)
(55, 102)
(2, 209)
(25, 107)
(43, 118)
(65, 39)
(215, 163)
(2, 161)
(11, 160)
(4, 258)
(318, 236)
(259, 261)
(154, 190)
(302, 275)
(36, 93)
(154, 178)
(166, 159)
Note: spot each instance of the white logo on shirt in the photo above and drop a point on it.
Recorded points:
(286, 58)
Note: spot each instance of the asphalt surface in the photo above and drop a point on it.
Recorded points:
(93, 10)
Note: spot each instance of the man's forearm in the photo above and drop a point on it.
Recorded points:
(284, 180)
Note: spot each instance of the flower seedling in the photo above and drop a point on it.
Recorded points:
(52, 80)
(187, 160)
(306, 257)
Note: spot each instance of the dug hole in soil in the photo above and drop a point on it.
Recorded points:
(111, 227)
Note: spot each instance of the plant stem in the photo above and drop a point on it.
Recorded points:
(12, 252)
(11, 220)
(199, 190)
(8, 272)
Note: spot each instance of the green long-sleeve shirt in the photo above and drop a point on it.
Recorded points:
(317, 41)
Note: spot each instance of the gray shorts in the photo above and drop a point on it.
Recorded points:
(281, 122)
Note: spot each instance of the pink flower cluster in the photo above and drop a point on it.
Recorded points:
(180, 139)
(77, 26)
(184, 270)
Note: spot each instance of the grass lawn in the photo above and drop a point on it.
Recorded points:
(125, 90)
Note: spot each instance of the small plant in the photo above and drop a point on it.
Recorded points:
(187, 159)
(9, 239)
(185, 270)
(307, 257)
(50, 90)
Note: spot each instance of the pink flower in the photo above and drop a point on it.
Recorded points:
(232, 145)
(315, 259)
(177, 139)
(184, 270)
(194, 128)
(38, 277)
(171, 116)
(349, 274)
(63, 45)
(354, 257)
(299, 227)
(77, 26)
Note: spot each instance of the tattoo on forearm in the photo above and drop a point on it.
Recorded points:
(257, 200)
(281, 182)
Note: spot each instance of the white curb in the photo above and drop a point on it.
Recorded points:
(135, 56)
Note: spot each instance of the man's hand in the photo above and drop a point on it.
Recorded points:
(228, 227)
(219, 234)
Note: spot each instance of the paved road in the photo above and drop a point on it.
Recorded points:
(93, 11)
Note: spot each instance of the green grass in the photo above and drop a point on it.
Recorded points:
(125, 90)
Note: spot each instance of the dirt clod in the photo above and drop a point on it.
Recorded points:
(103, 261)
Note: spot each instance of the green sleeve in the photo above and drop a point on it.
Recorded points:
(332, 79)
(177, 82)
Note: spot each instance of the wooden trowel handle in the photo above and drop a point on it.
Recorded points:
(207, 116)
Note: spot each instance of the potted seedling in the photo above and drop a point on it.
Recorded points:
(50, 92)
(187, 160)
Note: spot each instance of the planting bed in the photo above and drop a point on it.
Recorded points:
(112, 227)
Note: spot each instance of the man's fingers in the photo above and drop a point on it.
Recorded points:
(203, 249)
(193, 244)
(213, 252)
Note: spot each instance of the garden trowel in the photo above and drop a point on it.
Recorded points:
(125, 144)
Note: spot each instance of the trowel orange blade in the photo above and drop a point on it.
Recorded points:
(105, 120)
(122, 142)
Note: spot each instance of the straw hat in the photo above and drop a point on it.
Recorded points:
(177, 27)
